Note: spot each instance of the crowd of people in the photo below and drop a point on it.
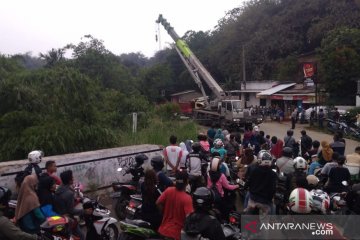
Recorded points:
(202, 168)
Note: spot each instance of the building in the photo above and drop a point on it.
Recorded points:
(185, 100)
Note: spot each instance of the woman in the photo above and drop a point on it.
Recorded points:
(28, 214)
(185, 152)
(150, 193)
(217, 181)
(325, 155)
(46, 190)
(243, 163)
(205, 145)
(219, 135)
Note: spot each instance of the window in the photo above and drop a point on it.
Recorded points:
(228, 106)
(247, 97)
(262, 102)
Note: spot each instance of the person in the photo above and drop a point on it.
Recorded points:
(8, 230)
(353, 159)
(150, 193)
(232, 147)
(328, 166)
(289, 140)
(34, 158)
(219, 147)
(276, 147)
(184, 154)
(300, 201)
(211, 134)
(336, 115)
(298, 177)
(248, 136)
(248, 158)
(302, 116)
(176, 205)
(306, 143)
(201, 222)
(321, 117)
(219, 135)
(314, 165)
(337, 175)
(65, 199)
(262, 185)
(325, 154)
(205, 145)
(337, 145)
(194, 165)
(218, 182)
(157, 162)
(312, 116)
(27, 213)
(51, 168)
(313, 151)
(285, 163)
(294, 118)
(45, 191)
(172, 156)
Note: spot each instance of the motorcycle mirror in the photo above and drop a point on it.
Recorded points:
(345, 183)
(119, 169)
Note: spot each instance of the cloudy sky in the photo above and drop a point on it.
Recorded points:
(125, 26)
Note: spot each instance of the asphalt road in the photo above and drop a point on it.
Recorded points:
(279, 130)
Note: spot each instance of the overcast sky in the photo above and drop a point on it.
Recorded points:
(124, 25)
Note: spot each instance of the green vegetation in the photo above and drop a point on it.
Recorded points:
(85, 103)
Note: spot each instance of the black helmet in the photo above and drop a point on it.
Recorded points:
(5, 195)
(140, 158)
(287, 152)
(203, 198)
(196, 147)
(157, 162)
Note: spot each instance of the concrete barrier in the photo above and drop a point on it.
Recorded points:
(94, 169)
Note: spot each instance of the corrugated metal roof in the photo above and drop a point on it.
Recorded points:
(182, 93)
(275, 89)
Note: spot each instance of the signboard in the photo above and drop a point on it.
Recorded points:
(309, 70)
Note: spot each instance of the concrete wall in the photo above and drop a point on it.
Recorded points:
(95, 168)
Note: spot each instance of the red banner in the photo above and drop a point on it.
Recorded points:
(309, 70)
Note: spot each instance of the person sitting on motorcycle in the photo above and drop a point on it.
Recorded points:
(337, 175)
(194, 162)
(219, 180)
(219, 147)
(150, 193)
(297, 179)
(201, 223)
(262, 184)
(8, 230)
(232, 147)
(248, 158)
(285, 164)
(321, 201)
(204, 143)
(164, 181)
(176, 205)
(313, 182)
(45, 192)
(137, 171)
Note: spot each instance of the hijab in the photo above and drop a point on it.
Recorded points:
(27, 199)
(44, 190)
(326, 151)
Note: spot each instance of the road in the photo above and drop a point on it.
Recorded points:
(279, 130)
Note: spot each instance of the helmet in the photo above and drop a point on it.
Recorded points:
(256, 128)
(35, 156)
(203, 198)
(157, 162)
(215, 164)
(265, 158)
(300, 201)
(312, 180)
(287, 152)
(140, 158)
(196, 147)
(300, 163)
(218, 143)
(321, 201)
(5, 195)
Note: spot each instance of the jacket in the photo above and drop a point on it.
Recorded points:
(65, 201)
(8, 231)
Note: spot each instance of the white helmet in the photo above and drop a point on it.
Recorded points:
(321, 201)
(35, 156)
(218, 143)
(215, 164)
(300, 163)
(300, 201)
(264, 158)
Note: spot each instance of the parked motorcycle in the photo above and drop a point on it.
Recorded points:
(56, 228)
(123, 191)
(133, 209)
(137, 230)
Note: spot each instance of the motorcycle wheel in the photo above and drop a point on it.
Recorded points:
(120, 207)
(111, 232)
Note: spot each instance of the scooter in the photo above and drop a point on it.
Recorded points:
(137, 230)
(123, 191)
(56, 228)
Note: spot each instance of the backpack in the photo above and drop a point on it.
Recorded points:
(216, 193)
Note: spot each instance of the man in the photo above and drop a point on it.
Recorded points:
(306, 143)
(201, 223)
(294, 118)
(232, 147)
(321, 117)
(65, 200)
(337, 175)
(176, 205)
(50, 167)
(336, 115)
(194, 164)
(8, 230)
(312, 116)
(285, 164)
(328, 166)
(337, 145)
(354, 158)
(289, 140)
(172, 156)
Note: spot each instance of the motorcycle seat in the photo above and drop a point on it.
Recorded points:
(138, 222)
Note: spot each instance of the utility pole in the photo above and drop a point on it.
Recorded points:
(243, 65)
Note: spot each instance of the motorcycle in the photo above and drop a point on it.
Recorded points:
(137, 230)
(123, 191)
(280, 198)
(133, 209)
(56, 228)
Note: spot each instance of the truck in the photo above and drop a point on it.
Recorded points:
(224, 109)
